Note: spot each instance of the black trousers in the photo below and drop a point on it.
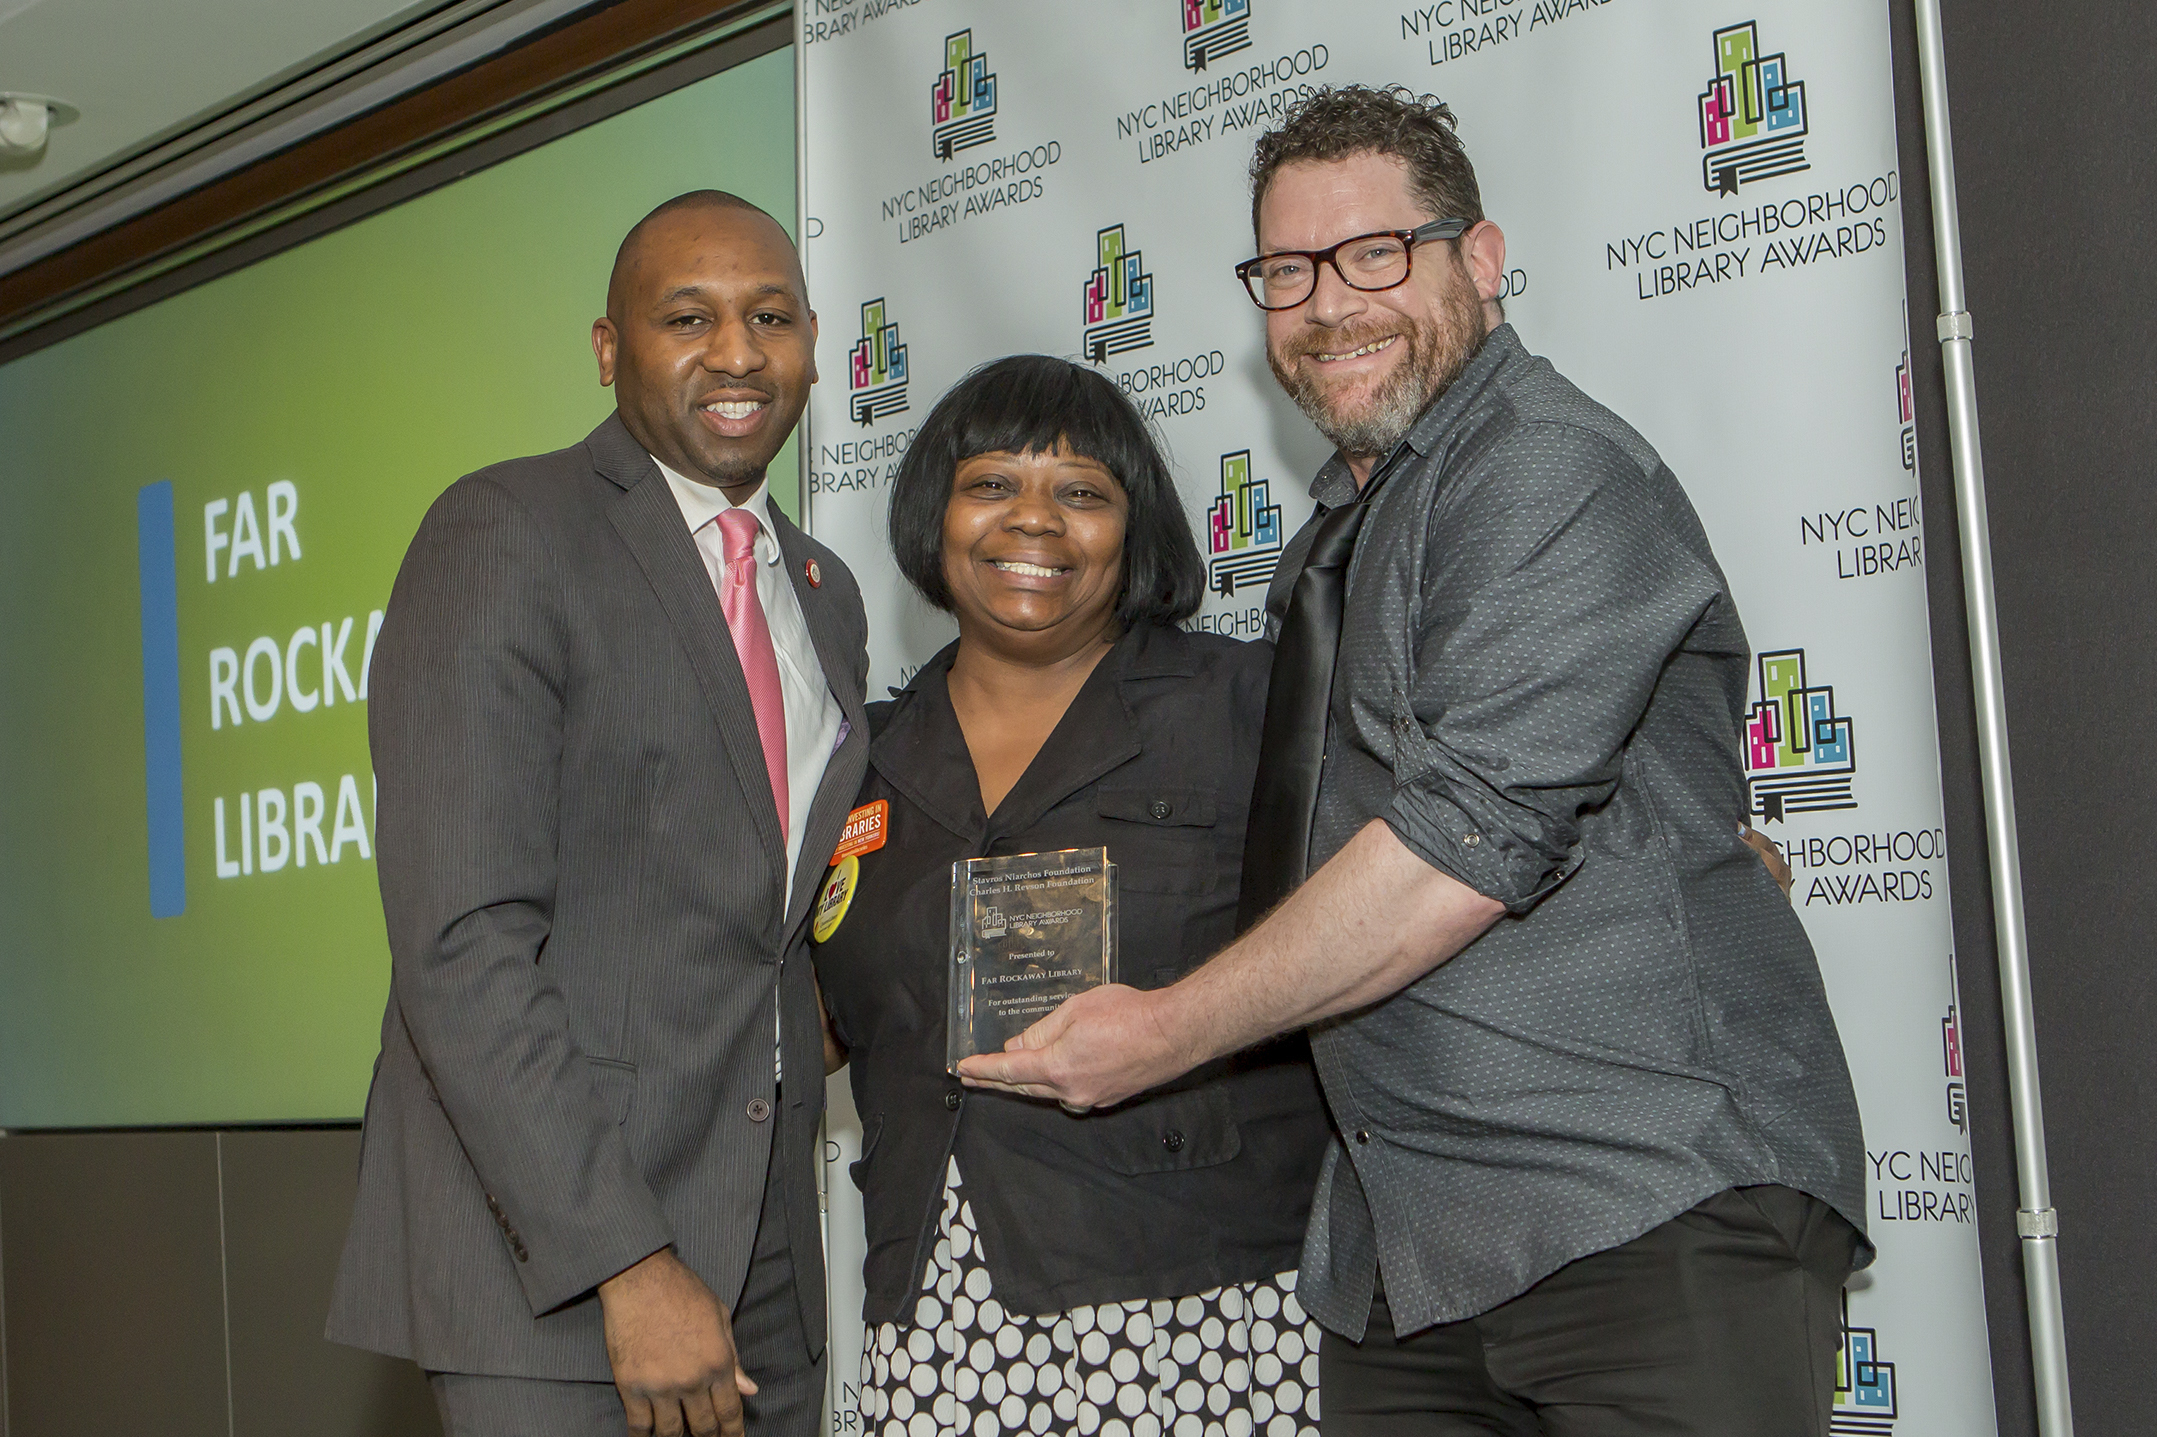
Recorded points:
(1722, 1322)
(769, 1339)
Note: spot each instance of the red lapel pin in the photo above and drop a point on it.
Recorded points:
(814, 574)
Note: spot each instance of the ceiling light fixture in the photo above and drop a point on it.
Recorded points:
(26, 119)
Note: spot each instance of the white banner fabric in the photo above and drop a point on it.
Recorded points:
(1701, 207)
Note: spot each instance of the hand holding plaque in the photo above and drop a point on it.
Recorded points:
(1027, 931)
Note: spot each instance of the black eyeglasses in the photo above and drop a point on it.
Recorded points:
(1379, 260)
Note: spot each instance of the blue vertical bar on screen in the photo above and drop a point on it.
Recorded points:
(161, 698)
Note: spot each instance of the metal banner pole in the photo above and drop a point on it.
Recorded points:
(2036, 1221)
(831, 1423)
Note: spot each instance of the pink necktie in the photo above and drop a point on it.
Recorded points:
(734, 534)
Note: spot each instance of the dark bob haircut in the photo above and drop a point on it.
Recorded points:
(1027, 404)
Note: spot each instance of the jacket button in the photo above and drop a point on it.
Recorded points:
(952, 1100)
(1159, 808)
(1471, 840)
(522, 1255)
(758, 1110)
(1363, 1135)
(1172, 1140)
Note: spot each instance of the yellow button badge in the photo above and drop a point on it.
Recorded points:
(837, 897)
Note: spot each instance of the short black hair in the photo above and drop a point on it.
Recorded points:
(1027, 404)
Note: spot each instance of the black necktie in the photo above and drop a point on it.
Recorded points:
(1292, 749)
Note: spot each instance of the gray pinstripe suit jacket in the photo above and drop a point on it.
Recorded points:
(581, 869)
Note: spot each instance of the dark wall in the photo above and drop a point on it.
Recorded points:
(176, 1282)
(2054, 159)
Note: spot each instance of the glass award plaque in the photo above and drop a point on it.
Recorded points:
(1027, 931)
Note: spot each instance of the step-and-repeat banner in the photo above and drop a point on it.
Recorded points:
(1700, 199)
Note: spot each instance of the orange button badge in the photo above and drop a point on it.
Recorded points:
(864, 831)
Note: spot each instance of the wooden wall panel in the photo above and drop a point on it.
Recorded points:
(115, 1291)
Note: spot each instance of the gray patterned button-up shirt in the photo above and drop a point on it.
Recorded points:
(1539, 688)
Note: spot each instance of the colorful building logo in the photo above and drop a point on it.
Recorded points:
(962, 102)
(1243, 531)
(1119, 299)
(876, 368)
(1906, 407)
(1864, 1385)
(1799, 753)
(1752, 115)
(1958, 1102)
(1213, 28)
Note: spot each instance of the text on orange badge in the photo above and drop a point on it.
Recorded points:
(864, 831)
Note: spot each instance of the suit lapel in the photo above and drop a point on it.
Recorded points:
(843, 673)
(827, 626)
(650, 524)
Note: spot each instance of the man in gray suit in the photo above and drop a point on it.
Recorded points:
(617, 725)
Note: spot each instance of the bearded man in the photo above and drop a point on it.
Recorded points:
(1598, 1168)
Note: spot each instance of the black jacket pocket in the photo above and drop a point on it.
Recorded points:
(1159, 804)
(1171, 1133)
(614, 1085)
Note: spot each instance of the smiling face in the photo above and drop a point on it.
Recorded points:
(1363, 364)
(709, 342)
(1033, 550)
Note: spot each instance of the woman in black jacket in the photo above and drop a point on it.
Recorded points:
(1123, 1272)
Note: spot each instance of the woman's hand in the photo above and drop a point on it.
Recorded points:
(834, 1050)
(1770, 854)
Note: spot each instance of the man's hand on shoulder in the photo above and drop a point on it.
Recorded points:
(671, 1343)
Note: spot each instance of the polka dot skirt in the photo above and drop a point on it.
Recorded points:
(1229, 1362)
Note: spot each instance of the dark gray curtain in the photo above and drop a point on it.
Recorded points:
(2053, 140)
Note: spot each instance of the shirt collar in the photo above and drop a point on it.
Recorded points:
(702, 503)
(922, 752)
(1334, 486)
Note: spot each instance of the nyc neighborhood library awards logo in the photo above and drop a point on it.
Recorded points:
(1799, 756)
(1243, 531)
(1958, 1097)
(962, 102)
(1864, 1385)
(1752, 116)
(1118, 301)
(876, 368)
(1213, 28)
(1906, 412)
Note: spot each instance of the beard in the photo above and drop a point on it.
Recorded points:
(1439, 348)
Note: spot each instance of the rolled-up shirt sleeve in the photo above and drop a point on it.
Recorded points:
(1556, 587)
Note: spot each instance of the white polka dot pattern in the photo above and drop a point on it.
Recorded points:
(1228, 1362)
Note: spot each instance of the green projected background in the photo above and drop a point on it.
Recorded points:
(286, 426)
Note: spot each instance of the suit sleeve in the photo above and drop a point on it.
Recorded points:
(466, 713)
(1556, 590)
